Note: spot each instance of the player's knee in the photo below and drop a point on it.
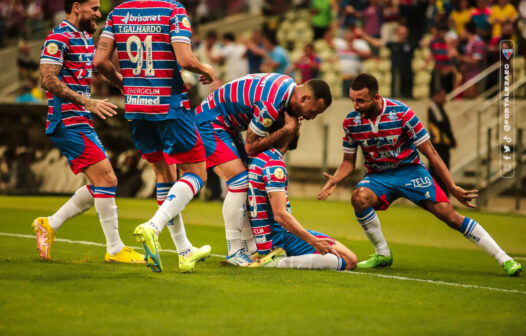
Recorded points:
(360, 200)
(350, 261)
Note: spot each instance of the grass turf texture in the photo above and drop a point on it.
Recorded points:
(77, 293)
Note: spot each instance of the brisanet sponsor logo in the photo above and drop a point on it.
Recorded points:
(130, 18)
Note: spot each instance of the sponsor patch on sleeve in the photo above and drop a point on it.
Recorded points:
(52, 48)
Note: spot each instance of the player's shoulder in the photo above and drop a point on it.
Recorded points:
(393, 105)
(352, 117)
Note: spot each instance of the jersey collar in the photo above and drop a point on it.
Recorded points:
(71, 26)
(290, 91)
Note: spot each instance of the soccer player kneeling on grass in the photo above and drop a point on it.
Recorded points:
(390, 136)
(66, 66)
(281, 240)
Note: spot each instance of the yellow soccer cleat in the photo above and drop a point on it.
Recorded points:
(187, 263)
(147, 235)
(127, 255)
(271, 259)
(45, 236)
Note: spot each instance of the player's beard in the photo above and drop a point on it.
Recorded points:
(87, 25)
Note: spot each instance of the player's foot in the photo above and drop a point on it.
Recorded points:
(271, 259)
(146, 235)
(376, 261)
(126, 255)
(255, 256)
(512, 268)
(240, 258)
(187, 263)
(45, 236)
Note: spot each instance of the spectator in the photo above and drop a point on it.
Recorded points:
(277, 59)
(308, 64)
(209, 52)
(351, 51)
(460, 16)
(480, 15)
(35, 18)
(494, 55)
(322, 17)
(372, 21)
(391, 16)
(26, 65)
(255, 52)
(501, 13)
(233, 56)
(440, 131)
(473, 59)
(443, 74)
(17, 18)
(402, 52)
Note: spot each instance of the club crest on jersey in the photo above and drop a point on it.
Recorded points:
(186, 22)
(267, 122)
(52, 48)
(279, 173)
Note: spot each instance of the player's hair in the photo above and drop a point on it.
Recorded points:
(365, 81)
(229, 37)
(68, 4)
(471, 27)
(321, 90)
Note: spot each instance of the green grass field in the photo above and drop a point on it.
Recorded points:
(439, 283)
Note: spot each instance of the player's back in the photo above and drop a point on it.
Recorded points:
(266, 173)
(143, 32)
(234, 104)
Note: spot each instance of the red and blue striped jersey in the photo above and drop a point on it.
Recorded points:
(253, 101)
(73, 50)
(266, 173)
(144, 32)
(389, 141)
(439, 50)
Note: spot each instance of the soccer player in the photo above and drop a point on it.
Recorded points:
(66, 67)
(252, 103)
(276, 229)
(152, 38)
(390, 136)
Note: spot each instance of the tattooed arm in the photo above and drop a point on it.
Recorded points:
(102, 61)
(49, 81)
(255, 144)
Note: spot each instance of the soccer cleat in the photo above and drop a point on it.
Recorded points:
(271, 259)
(45, 236)
(240, 258)
(187, 263)
(146, 235)
(512, 268)
(376, 261)
(126, 255)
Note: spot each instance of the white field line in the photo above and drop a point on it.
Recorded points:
(395, 277)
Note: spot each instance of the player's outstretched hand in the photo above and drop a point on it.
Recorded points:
(465, 196)
(328, 188)
(324, 246)
(102, 108)
(209, 76)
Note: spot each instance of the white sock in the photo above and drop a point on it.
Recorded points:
(476, 234)
(109, 217)
(234, 210)
(79, 203)
(248, 243)
(371, 226)
(178, 233)
(180, 194)
(311, 261)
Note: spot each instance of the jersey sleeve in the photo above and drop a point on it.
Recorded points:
(180, 28)
(349, 145)
(265, 114)
(54, 48)
(275, 176)
(108, 28)
(413, 128)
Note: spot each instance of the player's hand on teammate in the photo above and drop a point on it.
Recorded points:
(102, 108)
(465, 196)
(292, 123)
(324, 246)
(328, 188)
(209, 76)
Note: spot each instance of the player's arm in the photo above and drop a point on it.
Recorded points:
(49, 81)
(188, 61)
(255, 144)
(464, 196)
(344, 169)
(278, 202)
(103, 63)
